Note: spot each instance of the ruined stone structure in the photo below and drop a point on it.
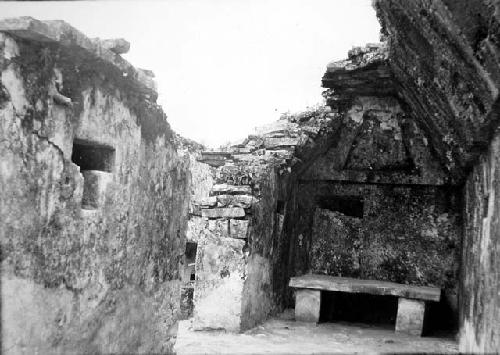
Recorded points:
(94, 197)
(113, 228)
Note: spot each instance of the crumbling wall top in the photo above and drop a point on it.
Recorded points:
(62, 33)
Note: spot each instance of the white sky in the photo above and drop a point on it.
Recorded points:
(224, 67)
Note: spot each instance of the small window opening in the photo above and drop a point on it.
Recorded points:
(280, 207)
(96, 162)
(91, 156)
(348, 205)
(191, 260)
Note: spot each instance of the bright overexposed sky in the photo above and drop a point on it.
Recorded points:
(224, 67)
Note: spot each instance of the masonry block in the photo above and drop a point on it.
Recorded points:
(307, 305)
(410, 317)
(244, 201)
(219, 228)
(232, 212)
(238, 228)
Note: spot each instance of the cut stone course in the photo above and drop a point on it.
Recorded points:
(230, 212)
(244, 201)
(280, 142)
(231, 189)
(209, 201)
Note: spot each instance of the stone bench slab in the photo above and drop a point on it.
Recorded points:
(374, 287)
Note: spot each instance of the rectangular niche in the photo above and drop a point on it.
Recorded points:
(96, 163)
(92, 156)
(348, 205)
(190, 261)
(280, 207)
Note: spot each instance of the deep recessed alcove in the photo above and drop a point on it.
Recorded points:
(348, 205)
(190, 259)
(96, 163)
(280, 207)
(92, 156)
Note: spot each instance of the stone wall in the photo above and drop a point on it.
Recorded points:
(405, 234)
(480, 297)
(96, 190)
(242, 257)
(444, 56)
(90, 253)
(234, 228)
(377, 200)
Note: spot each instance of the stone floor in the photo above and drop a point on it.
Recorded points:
(284, 336)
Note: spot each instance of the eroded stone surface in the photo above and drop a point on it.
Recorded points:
(405, 121)
(220, 266)
(117, 45)
(410, 319)
(307, 305)
(231, 212)
(481, 282)
(99, 281)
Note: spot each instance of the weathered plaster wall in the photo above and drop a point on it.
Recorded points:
(102, 280)
(259, 297)
(480, 297)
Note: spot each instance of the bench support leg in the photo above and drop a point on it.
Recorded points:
(410, 317)
(307, 303)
